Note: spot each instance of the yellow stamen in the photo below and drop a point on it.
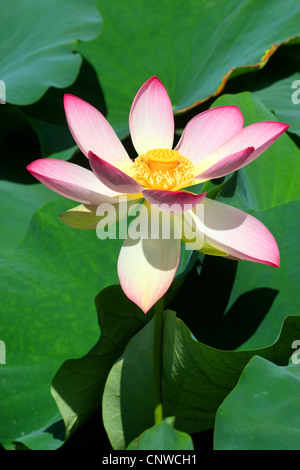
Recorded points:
(162, 169)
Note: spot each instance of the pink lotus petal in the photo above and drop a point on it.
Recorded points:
(259, 135)
(208, 130)
(112, 177)
(151, 120)
(237, 233)
(172, 201)
(226, 165)
(92, 132)
(147, 267)
(71, 181)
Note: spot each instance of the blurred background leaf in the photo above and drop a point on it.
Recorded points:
(38, 44)
(48, 286)
(192, 46)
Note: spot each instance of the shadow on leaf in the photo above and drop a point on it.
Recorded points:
(78, 385)
(203, 299)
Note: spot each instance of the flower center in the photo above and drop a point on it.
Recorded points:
(162, 159)
(162, 169)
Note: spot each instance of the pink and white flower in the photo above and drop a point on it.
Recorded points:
(213, 144)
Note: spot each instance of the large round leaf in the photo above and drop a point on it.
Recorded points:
(48, 286)
(18, 203)
(37, 44)
(192, 46)
(262, 411)
(196, 379)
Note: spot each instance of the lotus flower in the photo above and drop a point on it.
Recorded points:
(213, 144)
